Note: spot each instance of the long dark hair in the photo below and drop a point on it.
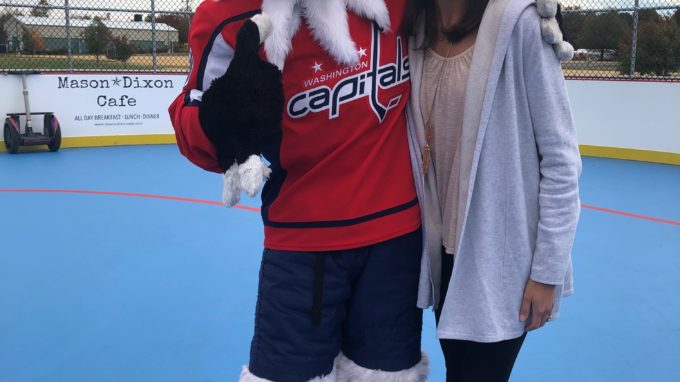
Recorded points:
(472, 17)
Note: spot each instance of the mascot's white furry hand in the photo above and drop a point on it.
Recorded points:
(550, 29)
(241, 109)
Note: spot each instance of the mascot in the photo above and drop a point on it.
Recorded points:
(323, 100)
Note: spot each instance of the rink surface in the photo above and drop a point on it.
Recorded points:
(118, 264)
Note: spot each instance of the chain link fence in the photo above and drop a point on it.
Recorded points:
(618, 39)
(95, 35)
(623, 39)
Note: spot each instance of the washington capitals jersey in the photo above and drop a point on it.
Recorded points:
(341, 172)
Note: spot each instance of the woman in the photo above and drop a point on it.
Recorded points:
(496, 166)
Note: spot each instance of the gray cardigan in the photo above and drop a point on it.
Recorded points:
(519, 200)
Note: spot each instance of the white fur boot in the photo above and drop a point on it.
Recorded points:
(348, 371)
(251, 174)
(231, 192)
(247, 376)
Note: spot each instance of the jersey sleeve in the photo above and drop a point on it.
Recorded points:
(210, 54)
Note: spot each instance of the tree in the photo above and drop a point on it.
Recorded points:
(179, 22)
(122, 49)
(572, 25)
(42, 9)
(33, 40)
(4, 18)
(96, 37)
(649, 15)
(676, 17)
(602, 32)
(658, 49)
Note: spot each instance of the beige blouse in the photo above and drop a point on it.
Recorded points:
(447, 123)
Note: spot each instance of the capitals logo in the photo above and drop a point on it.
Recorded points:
(363, 84)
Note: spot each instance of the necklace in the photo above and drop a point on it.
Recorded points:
(427, 148)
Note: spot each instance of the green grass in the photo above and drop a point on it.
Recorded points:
(55, 63)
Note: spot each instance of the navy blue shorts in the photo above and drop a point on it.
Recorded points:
(366, 308)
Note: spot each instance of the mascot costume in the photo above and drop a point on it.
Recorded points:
(323, 100)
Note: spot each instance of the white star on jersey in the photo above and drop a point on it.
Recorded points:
(317, 67)
(362, 52)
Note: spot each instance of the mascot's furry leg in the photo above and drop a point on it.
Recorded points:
(349, 371)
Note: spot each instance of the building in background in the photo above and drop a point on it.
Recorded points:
(52, 31)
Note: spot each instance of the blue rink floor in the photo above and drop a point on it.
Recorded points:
(97, 287)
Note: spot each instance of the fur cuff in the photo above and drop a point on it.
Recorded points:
(551, 31)
(247, 376)
(547, 8)
(348, 371)
(552, 34)
(231, 193)
(564, 51)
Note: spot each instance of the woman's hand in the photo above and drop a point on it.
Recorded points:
(537, 304)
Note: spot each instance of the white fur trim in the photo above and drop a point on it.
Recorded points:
(264, 25)
(247, 376)
(550, 30)
(375, 10)
(564, 51)
(284, 15)
(251, 174)
(329, 24)
(348, 371)
(547, 8)
(231, 192)
(327, 21)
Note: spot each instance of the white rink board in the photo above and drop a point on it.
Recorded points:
(621, 114)
(627, 114)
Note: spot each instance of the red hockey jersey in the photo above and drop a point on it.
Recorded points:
(341, 170)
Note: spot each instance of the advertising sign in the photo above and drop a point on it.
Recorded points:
(98, 104)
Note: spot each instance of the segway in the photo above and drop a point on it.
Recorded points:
(14, 138)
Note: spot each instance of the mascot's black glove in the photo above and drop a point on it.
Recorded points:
(241, 109)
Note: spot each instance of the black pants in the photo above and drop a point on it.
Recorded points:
(468, 361)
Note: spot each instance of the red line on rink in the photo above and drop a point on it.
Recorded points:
(628, 214)
(254, 209)
(127, 194)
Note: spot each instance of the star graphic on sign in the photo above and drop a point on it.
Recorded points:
(116, 81)
(362, 52)
(317, 67)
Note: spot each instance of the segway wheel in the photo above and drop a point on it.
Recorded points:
(12, 138)
(53, 130)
